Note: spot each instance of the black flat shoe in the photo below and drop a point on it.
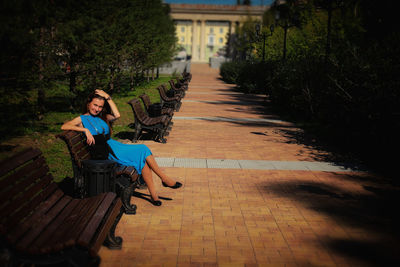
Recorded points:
(155, 202)
(175, 186)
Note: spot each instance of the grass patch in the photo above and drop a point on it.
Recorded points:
(23, 131)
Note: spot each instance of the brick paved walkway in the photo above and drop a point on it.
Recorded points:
(250, 216)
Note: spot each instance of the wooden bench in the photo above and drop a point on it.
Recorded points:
(183, 84)
(127, 178)
(39, 224)
(176, 89)
(187, 75)
(173, 102)
(157, 125)
(147, 104)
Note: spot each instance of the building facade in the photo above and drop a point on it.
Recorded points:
(204, 30)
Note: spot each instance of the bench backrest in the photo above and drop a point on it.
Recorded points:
(37, 218)
(163, 95)
(25, 182)
(79, 151)
(146, 100)
(138, 110)
(77, 146)
(172, 84)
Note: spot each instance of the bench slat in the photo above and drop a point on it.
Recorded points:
(83, 154)
(129, 171)
(18, 216)
(67, 226)
(20, 229)
(37, 218)
(70, 136)
(84, 216)
(105, 229)
(87, 234)
(24, 199)
(79, 147)
(75, 140)
(13, 177)
(19, 159)
(42, 223)
(22, 185)
(40, 245)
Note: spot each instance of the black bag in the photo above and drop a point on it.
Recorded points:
(170, 93)
(155, 110)
(100, 149)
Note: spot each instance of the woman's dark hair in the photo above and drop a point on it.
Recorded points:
(106, 108)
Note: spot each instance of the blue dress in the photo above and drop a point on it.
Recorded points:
(126, 154)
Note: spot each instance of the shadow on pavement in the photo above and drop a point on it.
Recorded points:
(373, 210)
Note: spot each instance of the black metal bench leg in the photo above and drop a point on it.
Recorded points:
(161, 136)
(112, 241)
(126, 200)
(138, 129)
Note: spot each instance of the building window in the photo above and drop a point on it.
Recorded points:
(211, 40)
(221, 40)
(211, 30)
(221, 30)
(182, 29)
(182, 39)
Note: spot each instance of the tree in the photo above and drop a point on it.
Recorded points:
(89, 43)
(287, 15)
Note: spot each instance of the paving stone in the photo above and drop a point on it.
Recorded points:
(223, 164)
(190, 163)
(256, 165)
(253, 194)
(165, 162)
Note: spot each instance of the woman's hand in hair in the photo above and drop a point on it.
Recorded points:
(114, 110)
(102, 93)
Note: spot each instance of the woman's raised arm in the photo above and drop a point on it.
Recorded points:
(76, 125)
(114, 109)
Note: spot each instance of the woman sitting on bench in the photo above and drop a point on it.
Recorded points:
(95, 124)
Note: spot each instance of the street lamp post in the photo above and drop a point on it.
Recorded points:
(260, 33)
(289, 20)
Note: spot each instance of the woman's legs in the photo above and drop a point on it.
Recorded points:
(151, 162)
(151, 165)
(148, 179)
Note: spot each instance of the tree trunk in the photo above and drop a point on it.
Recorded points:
(132, 76)
(284, 42)
(72, 89)
(111, 85)
(328, 35)
(41, 93)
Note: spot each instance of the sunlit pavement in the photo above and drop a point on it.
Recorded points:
(257, 192)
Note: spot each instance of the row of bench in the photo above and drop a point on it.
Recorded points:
(156, 118)
(42, 225)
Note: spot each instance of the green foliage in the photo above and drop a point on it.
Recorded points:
(78, 46)
(229, 71)
(255, 77)
(250, 77)
(42, 133)
(340, 74)
(88, 44)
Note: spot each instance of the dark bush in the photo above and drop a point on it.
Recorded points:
(255, 78)
(250, 77)
(354, 99)
(229, 71)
